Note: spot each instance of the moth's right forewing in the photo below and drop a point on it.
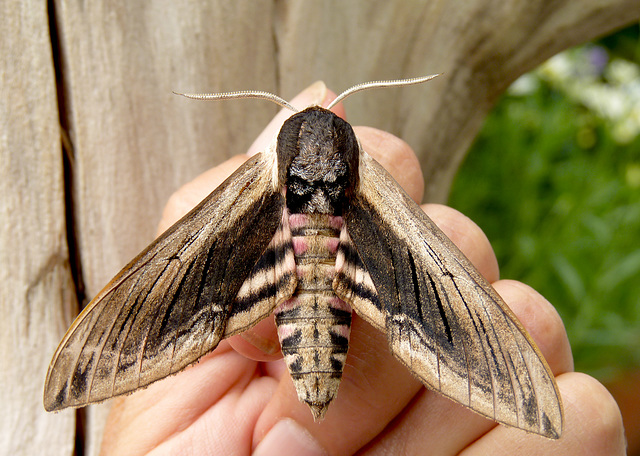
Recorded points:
(170, 305)
(443, 320)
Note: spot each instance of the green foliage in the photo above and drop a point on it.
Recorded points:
(625, 43)
(560, 201)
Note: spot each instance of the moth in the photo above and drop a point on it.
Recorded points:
(310, 229)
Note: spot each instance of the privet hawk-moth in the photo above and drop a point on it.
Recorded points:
(309, 229)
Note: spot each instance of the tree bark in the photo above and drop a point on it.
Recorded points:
(37, 298)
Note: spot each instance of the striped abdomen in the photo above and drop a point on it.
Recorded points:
(314, 325)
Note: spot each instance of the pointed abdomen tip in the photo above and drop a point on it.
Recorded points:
(318, 410)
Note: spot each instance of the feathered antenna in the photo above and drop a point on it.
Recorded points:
(285, 104)
(242, 94)
(378, 84)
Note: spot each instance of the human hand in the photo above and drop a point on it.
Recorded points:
(240, 399)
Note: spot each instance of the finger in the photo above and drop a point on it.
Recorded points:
(170, 409)
(434, 415)
(191, 193)
(298, 441)
(368, 398)
(396, 156)
(593, 425)
(375, 387)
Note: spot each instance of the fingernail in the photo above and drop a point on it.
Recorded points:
(288, 437)
(312, 95)
(263, 344)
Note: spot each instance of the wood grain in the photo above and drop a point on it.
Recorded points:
(36, 291)
(134, 142)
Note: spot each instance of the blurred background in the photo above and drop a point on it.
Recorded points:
(553, 179)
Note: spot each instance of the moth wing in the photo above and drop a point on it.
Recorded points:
(272, 281)
(170, 305)
(443, 319)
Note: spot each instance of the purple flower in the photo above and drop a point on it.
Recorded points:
(598, 58)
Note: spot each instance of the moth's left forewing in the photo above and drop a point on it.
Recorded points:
(272, 281)
(178, 298)
(444, 321)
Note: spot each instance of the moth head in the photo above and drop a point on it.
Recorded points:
(319, 145)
